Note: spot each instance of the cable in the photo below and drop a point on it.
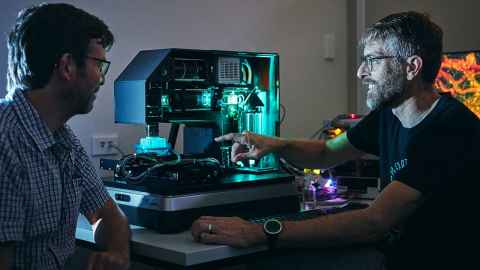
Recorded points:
(243, 102)
(153, 164)
(320, 130)
(139, 178)
(172, 151)
(249, 71)
(328, 125)
(120, 169)
(290, 168)
(116, 148)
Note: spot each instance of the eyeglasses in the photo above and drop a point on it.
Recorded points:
(369, 60)
(103, 64)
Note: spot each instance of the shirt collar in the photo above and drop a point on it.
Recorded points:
(409, 115)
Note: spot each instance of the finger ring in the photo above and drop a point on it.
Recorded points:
(210, 228)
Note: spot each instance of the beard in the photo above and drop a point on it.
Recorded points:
(386, 90)
(80, 100)
(86, 104)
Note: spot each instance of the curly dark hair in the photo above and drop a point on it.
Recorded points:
(410, 33)
(42, 34)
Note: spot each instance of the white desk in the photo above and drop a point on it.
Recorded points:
(179, 249)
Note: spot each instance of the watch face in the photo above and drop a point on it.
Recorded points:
(272, 226)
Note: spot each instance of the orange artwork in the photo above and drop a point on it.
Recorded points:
(459, 75)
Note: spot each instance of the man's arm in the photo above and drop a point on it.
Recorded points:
(318, 153)
(302, 153)
(112, 234)
(7, 252)
(396, 202)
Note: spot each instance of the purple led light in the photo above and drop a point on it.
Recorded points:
(328, 183)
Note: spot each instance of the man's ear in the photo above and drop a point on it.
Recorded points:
(414, 66)
(66, 67)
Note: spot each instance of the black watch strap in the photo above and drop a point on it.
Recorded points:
(272, 241)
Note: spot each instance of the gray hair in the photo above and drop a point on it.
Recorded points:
(406, 34)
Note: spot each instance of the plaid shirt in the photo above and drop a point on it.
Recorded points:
(47, 179)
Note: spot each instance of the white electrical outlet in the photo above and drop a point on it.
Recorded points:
(103, 145)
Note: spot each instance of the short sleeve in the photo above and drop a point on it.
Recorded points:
(364, 136)
(12, 212)
(94, 194)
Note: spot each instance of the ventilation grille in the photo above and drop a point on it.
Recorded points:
(228, 70)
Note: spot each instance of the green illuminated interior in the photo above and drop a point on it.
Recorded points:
(205, 99)
(150, 144)
(261, 116)
(164, 101)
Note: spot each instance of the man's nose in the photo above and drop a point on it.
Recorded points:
(362, 71)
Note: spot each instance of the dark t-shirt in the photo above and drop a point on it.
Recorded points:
(436, 157)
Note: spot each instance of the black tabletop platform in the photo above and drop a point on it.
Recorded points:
(227, 181)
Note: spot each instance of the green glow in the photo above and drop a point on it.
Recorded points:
(232, 111)
(274, 95)
(165, 102)
(149, 144)
(205, 99)
(270, 98)
(338, 142)
(264, 55)
(233, 99)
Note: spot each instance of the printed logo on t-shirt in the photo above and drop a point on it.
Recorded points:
(396, 167)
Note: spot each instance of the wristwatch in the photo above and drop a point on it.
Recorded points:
(272, 229)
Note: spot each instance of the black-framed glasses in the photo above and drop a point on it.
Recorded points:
(369, 60)
(103, 64)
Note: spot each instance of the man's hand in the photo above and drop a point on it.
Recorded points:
(112, 235)
(249, 145)
(231, 231)
(108, 261)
